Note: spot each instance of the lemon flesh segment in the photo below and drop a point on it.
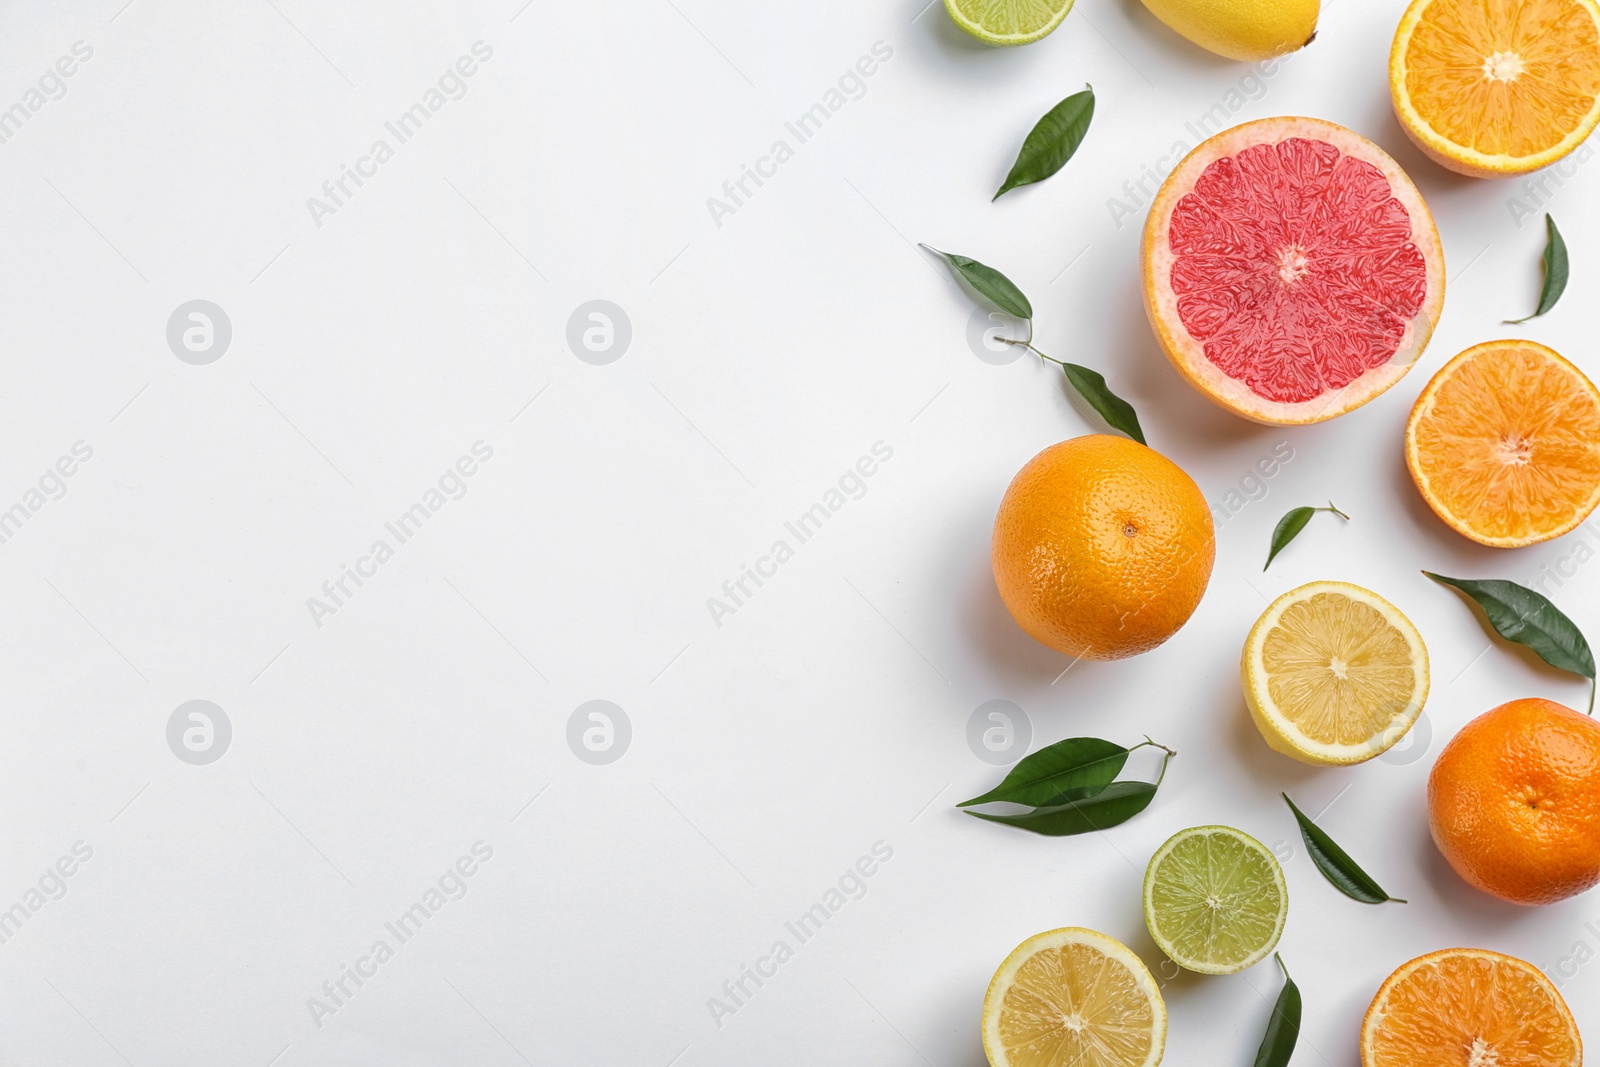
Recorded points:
(1334, 674)
(1008, 22)
(1073, 998)
(1215, 900)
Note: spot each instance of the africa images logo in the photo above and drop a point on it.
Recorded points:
(452, 885)
(852, 485)
(451, 485)
(850, 886)
(851, 85)
(452, 85)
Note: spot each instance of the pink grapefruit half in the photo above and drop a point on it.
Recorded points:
(1292, 272)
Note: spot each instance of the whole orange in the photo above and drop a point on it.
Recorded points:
(1102, 547)
(1514, 802)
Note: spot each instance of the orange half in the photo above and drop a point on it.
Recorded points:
(1473, 1007)
(1496, 87)
(1504, 444)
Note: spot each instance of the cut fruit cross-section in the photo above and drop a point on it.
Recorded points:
(1073, 998)
(1292, 272)
(1504, 444)
(1333, 673)
(1469, 1007)
(1215, 900)
(1496, 87)
(1008, 22)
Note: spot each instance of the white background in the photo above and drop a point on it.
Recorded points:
(768, 354)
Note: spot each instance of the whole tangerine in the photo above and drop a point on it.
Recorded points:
(1102, 548)
(1514, 802)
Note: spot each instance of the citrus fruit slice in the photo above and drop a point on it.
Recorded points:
(1215, 899)
(1496, 88)
(1472, 1007)
(1102, 547)
(1007, 22)
(1333, 673)
(1504, 444)
(1292, 272)
(1514, 802)
(1073, 998)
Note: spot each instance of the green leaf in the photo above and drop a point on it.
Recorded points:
(1289, 528)
(1283, 1029)
(1555, 272)
(1116, 804)
(1068, 770)
(1117, 412)
(1052, 141)
(1519, 614)
(990, 284)
(1335, 863)
(1107, 806)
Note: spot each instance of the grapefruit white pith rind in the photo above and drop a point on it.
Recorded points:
(1309, 273)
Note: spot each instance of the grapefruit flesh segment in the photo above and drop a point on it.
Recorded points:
(1504, 444)
(1295, 268)
(1494, 87)
(1470, 1007)
(1292, 271)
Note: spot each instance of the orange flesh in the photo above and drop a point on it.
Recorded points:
(1511, 445)
(1470, 1011)
(1504, 77)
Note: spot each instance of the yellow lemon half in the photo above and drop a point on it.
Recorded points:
(1073, 998)
(1333, 674)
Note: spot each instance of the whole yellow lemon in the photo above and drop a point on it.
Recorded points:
(1242, 29)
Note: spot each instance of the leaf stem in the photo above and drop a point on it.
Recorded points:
(1593, 685)
(1164, 761)
(1027, 343)
(1343, 516)
(1148, 742)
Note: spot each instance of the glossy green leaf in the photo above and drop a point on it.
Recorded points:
(1289, 528)
(1106, 806)
(1519, 614)
(1052, 141)
(1068, 770)
(1335, 863)
(989, 283)
(1117, 412)
(1555, 271)
(1116, 804)
(1283, 1029)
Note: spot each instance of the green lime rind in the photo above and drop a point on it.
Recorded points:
(1215, 900)
(1008, 22)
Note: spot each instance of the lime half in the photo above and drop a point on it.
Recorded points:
(1215, 899)
(1008, 21)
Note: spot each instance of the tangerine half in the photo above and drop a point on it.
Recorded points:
(1469, 1007)
(1504, 444)
(1489, 88)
